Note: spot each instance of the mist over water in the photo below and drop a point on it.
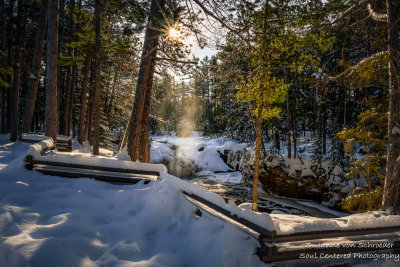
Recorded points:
(189, 115)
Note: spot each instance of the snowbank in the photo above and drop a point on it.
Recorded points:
(36, 149)
(194, 154)
(89, 159)
(288, 224)
(52, 221)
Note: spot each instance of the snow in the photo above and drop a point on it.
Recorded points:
(187, 148)
(230, 145)
(323, 208)
(52, 221)
(89, 159)
(34, 137)
(225, 177)
(37, 148)
(288, 224)
(396, 130)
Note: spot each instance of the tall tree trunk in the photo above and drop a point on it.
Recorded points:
(51, 108)
(61, 72)
(71, 99)
(257, 158)
(147, 65)
(392, 180)
(3, 48)
(14, 107)
(30, 98)
(68, 79)
(96, 98)
(89, 118)
(288, 124)
(144, 145)
(294, 127)
(81, 123)
(113, 90)
(10, 34)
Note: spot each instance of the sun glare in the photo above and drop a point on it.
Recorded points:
(173, 33)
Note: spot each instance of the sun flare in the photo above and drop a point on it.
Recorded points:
(173, 33)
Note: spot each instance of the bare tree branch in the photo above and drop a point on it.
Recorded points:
(159, 119)
(208, 12)
(382, 17)
(352, 26)
(177, 60)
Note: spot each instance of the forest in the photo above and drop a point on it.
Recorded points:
(281, 73)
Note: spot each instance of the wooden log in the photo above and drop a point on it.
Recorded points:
(101, 176)
(330, 234)
(29, 141)
(256, 228)
(318, 253)
(89, 167)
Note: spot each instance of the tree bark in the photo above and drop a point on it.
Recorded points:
(146, 71)
(51, 108)
(14, 104)
(71, 99)
(33, 83)
(81, 125)
(144, 145)
(9, 63)
(391, 179)
(257, 159)
(89, 118)
(3, 48)
(68, 79)
(288, 124)
(96, 95)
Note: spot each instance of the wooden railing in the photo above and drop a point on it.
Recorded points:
(271, 243)
(73, 170)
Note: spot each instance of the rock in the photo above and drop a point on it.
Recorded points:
(307, 180)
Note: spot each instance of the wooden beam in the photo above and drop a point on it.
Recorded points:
(256, 228)
(101, 176)
(330, 234)
(89, 167)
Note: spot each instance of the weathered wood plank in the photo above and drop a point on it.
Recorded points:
(89, 167)
(330, 234)
(262, 231)
(102, 176)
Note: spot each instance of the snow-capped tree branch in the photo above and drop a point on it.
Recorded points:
(382, 17)
(351, 70)
(348, 11)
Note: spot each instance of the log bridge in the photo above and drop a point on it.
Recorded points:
(73, 170)
(274, 248)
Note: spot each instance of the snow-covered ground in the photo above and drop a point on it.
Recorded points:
(53, 221)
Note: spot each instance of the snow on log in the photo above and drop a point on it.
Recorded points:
(35, 150)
